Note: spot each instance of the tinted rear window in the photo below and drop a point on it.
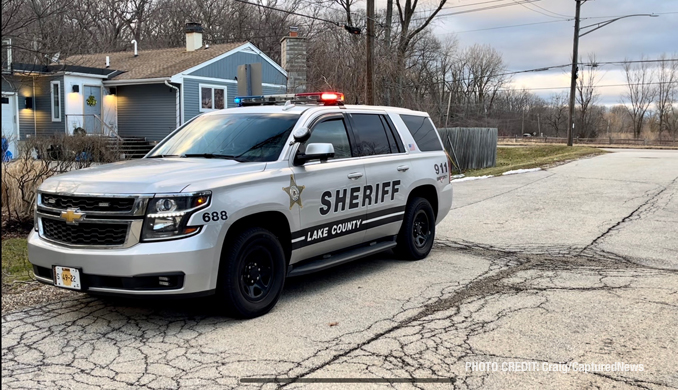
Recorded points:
(423, 132)
(371, 135)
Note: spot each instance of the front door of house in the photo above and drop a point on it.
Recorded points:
(92, 109)
(10, 135)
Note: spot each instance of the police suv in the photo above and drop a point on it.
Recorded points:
(236, 200)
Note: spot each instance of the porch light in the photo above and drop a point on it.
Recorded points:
(76, 88)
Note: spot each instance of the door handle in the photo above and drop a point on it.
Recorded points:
(403, 168)
(355, 175)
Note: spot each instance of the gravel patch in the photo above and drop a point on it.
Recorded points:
(32, 293)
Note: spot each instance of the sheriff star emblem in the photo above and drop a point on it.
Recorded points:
(294, 191)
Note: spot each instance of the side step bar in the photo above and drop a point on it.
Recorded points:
(340, 258)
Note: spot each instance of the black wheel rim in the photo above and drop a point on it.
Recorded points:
(421, 229)
(256, 274)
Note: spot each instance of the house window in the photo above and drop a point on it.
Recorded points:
(212, 97)
(55, 86)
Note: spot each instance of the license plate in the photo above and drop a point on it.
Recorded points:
(67, 277)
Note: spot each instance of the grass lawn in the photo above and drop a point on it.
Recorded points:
(15, 265)
(511, 158)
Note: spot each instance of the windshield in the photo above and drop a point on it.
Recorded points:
(242, 136)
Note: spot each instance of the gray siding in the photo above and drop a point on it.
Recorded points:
(274, 90)
(146, 111)
(227, 68)
(36, 121)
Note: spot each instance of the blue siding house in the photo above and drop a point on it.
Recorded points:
(135, 93)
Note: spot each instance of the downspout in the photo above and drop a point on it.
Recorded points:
(178, 107)
(35, 122)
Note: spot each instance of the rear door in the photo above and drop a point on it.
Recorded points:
(389, 176)
(328, 192)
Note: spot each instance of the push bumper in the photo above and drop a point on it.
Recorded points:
(190, 263)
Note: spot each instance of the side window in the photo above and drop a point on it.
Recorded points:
(212, 97)
(55, 87)
(332, 131)
(372, 139)
(423, 132)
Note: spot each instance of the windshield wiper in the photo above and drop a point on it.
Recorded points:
(163, 155)
(211, 155)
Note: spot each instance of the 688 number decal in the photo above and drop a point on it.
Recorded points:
(215, 216)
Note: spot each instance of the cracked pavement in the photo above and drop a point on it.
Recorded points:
(578, 263)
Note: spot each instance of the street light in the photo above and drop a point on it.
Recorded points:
(575, 55)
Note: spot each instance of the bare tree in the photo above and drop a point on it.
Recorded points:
(667, 89)
(641, 92)
(556, 117)
(587, 96)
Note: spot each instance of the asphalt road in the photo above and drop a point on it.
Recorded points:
(574, 264)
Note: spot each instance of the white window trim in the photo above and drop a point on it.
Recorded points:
(51, 101)
(213, 87)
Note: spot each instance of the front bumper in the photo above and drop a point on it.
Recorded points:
(195, 258)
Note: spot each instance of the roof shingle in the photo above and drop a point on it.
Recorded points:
(152, 63)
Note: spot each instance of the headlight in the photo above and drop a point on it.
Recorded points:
(167, 216)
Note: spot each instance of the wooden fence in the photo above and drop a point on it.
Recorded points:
(471, 147)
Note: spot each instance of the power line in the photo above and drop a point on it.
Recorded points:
(595, 86)
(509, 26)
(534, 10)
(549, 11)
(464, 5)
(477, 9)
(291, 12)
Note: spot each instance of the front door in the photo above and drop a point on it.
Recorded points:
(328, 193)
(92, 97)
(10, 135)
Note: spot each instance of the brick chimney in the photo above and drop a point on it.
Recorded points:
(193, 36)
(293, 48)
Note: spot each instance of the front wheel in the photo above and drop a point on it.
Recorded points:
(418, 231)
(252, 273)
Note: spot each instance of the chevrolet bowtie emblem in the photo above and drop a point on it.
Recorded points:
(72, 216)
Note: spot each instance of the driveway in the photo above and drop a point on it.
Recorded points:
(563, 278)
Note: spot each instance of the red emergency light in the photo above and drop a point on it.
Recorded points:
(329, 98)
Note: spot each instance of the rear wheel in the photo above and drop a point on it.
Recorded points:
(418, 231)
(252, 273)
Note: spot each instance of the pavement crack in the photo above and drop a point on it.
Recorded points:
(634, 214)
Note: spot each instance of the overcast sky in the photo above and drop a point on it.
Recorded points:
(547, 44)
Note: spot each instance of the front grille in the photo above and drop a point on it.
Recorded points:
(88, 203)
(85, 233)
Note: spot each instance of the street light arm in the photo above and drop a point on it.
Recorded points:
(607, 22)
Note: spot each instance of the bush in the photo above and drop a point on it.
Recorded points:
(40, 158)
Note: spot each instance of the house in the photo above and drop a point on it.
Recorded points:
(137, 93)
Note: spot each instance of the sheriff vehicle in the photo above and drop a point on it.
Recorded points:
(236, 200)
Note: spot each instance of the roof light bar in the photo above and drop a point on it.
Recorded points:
(326, 98)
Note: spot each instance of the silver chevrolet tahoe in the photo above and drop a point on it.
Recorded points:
(236, 200)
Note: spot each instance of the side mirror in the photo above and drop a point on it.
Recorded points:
(315, 152)
(301, 134)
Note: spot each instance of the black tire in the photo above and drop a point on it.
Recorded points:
(252, 273)
(418, 231)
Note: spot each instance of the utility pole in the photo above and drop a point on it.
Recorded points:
(573, 82)
(369, 71)
(539, 125)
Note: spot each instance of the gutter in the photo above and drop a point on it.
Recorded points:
(177, 107)
(115, 83)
